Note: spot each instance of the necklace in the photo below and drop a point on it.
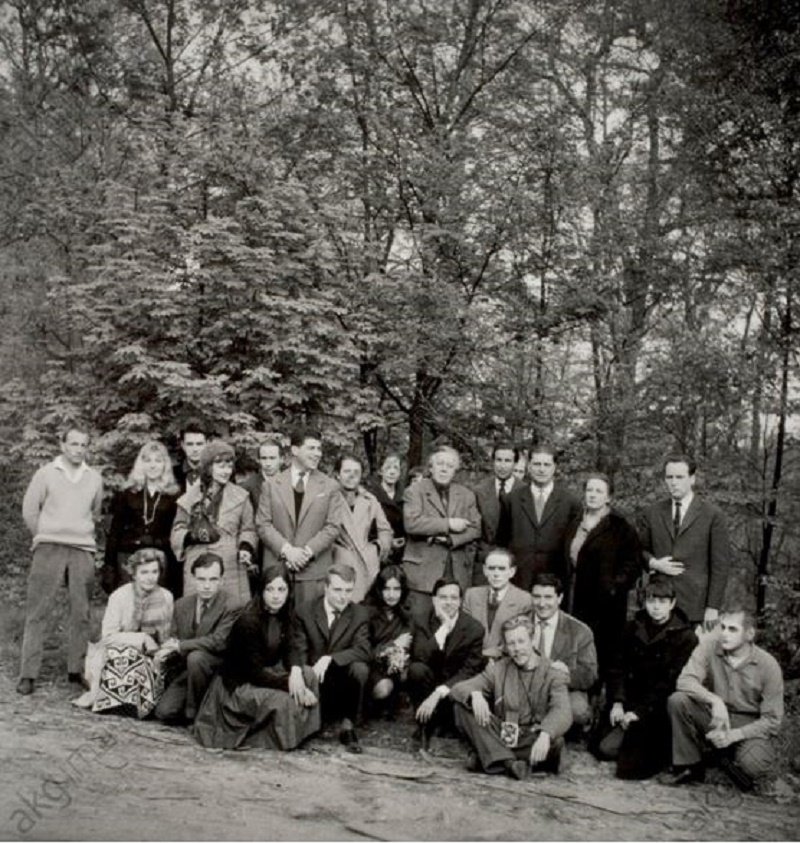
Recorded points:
(148, 521)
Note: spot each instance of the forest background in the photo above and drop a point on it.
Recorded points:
(522, 219)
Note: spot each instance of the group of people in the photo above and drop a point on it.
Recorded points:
(257, 606)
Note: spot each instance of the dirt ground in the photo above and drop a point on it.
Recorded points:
(69, 774)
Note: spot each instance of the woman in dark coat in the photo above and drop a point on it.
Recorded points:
(141, 516)
(656, 645)
(388, 489)
(249, 703)
(389, 633)
(604, 557)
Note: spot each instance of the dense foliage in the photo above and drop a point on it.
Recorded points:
(400, 221)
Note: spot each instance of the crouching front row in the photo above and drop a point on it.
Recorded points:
(269, 676)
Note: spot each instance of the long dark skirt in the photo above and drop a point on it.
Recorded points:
(253, 716)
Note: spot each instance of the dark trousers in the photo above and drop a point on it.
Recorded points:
(342, 692)
(492, 752)
(754, 758)
(420, 683)
(641, 750)
(182, 697)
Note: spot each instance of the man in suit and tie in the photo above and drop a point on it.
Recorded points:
(331, 635)
(298, 518)
(534, 519)
(686, 538)
(442, 524)
(567, 642)
(493, 604)
(446, 649)
(200, 625)
(489, 493)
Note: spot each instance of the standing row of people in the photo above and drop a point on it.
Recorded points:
(317, 536)
(434, 527)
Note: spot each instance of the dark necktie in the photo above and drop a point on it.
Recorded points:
(442, 490)
(539, 641)
(491, 611)
(299, 489)
(337, 613)
(201, 611)
(676, 520)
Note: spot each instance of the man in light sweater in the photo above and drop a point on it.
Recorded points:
(60, 508)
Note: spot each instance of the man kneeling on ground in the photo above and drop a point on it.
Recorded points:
(516, 712)
(728, 703)
(200, 626)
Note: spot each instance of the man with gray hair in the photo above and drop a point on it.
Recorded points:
(442, 526)
(515, 714)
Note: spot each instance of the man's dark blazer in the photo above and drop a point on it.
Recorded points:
(254, 484)
(701, 544)
(489, 508)
(462, 656)
(538, 547)
(212, 633)
(346, 644)
(573, 644)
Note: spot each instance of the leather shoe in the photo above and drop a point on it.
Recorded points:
(25, 686)
(691, 774)
(350, 740)
(77, 679)
(473, 764)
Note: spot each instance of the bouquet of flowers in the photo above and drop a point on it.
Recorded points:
(395, 657)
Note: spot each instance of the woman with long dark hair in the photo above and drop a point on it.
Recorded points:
(390, 632)
(249, 703)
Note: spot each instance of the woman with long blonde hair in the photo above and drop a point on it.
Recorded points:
(142, 513)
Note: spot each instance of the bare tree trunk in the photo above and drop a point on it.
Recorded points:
(780, 445)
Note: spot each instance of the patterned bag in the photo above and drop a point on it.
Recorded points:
(202, 529)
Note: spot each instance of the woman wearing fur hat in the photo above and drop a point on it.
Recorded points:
(217, 516)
